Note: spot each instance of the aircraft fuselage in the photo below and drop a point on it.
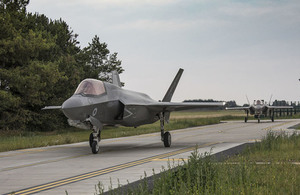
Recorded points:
(109, 107)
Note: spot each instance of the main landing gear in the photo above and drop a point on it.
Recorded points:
(94, 140)
(272, 116)
(246, 118)
(165, 136)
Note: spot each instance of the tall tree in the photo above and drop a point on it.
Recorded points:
(42, 64)
(31, 66)
(97, 60)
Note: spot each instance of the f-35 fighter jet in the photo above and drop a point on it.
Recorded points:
(96, 103)
(259, 109)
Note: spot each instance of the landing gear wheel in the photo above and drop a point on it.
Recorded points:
(246, 119)
(91, 139)
(167, 139)
(94, 139)
(95, 147)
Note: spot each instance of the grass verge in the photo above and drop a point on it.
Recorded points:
(261, 169)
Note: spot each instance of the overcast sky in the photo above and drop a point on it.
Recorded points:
(227, 48)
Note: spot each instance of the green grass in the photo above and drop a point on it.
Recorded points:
(238, 175)
(276, 147)
(22, 140)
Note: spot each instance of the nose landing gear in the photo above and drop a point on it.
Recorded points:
(94, 140)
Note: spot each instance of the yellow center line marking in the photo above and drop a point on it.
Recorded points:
(81, 177)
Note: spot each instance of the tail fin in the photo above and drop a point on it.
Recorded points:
(248, 100)
(116, 79)
(172, 87)
(170, 93)
(270, 99)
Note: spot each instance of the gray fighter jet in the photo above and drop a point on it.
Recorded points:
(260, 109)
(96, 103)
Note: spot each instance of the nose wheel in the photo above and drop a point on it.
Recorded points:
(95, 139)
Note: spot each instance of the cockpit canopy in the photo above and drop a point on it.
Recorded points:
(259, 102)
(90, 87)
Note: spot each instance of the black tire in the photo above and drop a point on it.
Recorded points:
(259, 120)
(167, 139)
(246, 119)
(91, 139)
(95, 148)
(272, 118)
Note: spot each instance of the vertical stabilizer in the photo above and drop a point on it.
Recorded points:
(270, 100)
(247, 100)
(170, 93)
(172, 87)
(116, 79)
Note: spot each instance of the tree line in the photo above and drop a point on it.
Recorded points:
(41, 63)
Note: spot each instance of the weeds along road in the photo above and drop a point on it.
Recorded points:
(72, 168)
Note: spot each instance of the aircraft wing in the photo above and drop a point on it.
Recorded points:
(238, 108)
(51, 107)
(171, 106)
(279, 107)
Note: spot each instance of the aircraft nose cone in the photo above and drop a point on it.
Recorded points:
(72, 108)
(72, 102)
